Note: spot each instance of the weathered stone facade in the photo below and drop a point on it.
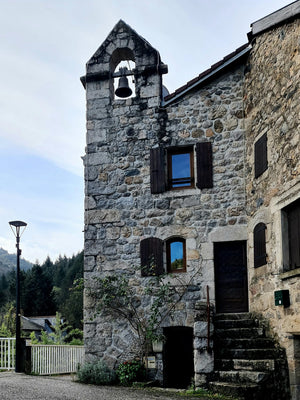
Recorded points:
(251, 92)
(272, 107)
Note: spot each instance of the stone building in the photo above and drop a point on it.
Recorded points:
(203, 184)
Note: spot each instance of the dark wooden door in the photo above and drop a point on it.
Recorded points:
(231, 283)
(178, 357)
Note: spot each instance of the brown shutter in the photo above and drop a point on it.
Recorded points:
(157, 170)
(204, 165)
(294, 234)
(260, 255)
(151, 257)
(261, 155)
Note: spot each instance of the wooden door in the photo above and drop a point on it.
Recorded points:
(231, 283)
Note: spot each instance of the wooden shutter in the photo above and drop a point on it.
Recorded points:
(260, 255)
(157, 170)
(294, 234)
(261, 155)
(204, 165)
(151, 257)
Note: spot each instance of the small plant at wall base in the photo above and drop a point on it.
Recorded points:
(130, 371)
(96, 373)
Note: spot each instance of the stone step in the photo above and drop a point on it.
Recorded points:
(249, 365)
(236, 323)
(248, 343)
(232, 316)
(248, 391)
(240, 332)
(244, 354)
(242, 376)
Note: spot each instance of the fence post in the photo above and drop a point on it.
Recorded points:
(27, 360)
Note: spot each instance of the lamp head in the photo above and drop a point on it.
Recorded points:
(17, 225)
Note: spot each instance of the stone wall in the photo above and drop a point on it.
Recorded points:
(272, 106)
(120, 210)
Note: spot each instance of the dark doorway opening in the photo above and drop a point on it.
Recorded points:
(178, 357)
(231, 282)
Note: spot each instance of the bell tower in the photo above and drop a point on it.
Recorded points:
(123, 85)
(124, 46)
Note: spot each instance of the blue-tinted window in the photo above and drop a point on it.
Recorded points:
(181, 168)
(176, 259)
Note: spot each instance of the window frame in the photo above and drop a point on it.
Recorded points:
(168, 254)
(291, 235)
(190, 179)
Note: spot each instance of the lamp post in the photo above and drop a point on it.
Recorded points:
(16, 227)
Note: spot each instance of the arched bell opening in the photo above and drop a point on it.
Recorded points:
(122, 67)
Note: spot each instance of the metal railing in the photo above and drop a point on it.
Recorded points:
(55, 359)
(7, 353)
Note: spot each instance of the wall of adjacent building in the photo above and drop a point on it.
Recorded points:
(272, 107)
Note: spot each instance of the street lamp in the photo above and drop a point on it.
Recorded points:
(16, 227)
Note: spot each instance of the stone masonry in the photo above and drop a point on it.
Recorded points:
(272, 106)
(120, 209)
(252, 92)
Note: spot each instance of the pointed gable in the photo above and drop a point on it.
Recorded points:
(121, 44)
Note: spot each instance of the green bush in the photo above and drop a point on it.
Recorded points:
(96, 373)
(130, 371)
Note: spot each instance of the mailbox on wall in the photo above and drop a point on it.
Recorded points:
(282, 298)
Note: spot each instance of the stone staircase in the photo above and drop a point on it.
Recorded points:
(248, 365)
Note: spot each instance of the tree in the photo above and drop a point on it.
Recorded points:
(8, 321)
(37, 291)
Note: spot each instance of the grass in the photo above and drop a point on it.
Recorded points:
(199, 394)
(204, 394)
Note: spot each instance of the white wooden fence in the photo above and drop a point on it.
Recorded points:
(7, 353)
(54, 359)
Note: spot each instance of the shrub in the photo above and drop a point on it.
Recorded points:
(96, 373)
(130, 371)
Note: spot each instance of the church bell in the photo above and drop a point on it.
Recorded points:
(123, 90)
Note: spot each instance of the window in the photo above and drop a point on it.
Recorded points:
(260, 255)
(152, 256)
(181, 168)
(291, 235)
(176, 255)
(177, 165)
(260, 156)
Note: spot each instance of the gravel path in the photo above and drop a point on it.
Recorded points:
(27, 387)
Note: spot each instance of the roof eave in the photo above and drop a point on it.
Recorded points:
(277, 18)
(210, 75)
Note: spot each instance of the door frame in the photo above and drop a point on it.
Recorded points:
(245, 306)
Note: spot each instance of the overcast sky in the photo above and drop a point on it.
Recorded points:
(44, 47)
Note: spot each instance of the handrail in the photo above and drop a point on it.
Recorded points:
(208, 317)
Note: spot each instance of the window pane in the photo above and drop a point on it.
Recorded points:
(176, 255)
(181, 168)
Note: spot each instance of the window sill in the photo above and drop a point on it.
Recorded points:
(181, 192)
(290, 274)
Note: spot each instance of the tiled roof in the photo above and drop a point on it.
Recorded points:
(213, 70)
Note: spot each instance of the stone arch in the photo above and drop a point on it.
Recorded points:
(119, 57)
